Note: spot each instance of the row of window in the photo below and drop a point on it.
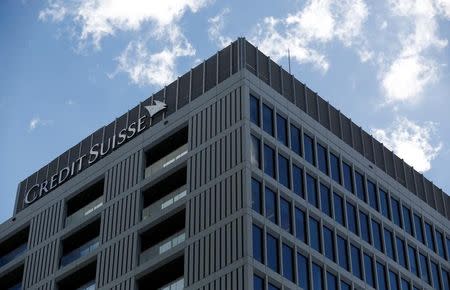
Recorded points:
(341, 172)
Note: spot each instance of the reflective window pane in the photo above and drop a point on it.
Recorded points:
(368, 270)
(297, 176)
(328, 240)
(440, 244)
(373, 197)
(272, 253)
(389, 244)
(269, 161)
(364, 226)
(345, 286)
(314, 234)
(311, 188)
(351, 218)
(418, 228)
(296, 140)
(285, 215)
(302, 272)
(424, 271)
(342, 252)
(348, 177)
(300, 225)
(317, 274)
(435, 275)
(325, 199)
(335, 168)
(376, 235)
(430, 236)
(384, 202)
(393, 280)
(407, 221)
(309, 149)
(331, 281)
(271, 205)
(339, 215)
(258, 244)
(405, 285)
(322, 158)
(272, 287)
(254, 110)
(256, 196)
(268, 119)
(283, 171)
(401, 252)
(258, 283)
(413, 267)
(381, 277)
(356, 261)
(446, 279)
(360, 188)
(288, 262)
(255, 152)
(282, 130)
(396, 212)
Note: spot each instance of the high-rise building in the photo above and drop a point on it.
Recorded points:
(234, 176)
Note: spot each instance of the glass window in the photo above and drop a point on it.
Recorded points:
(258, 244)
(407, 220)
(283, 165)
(273, 287)
(325, 199)
(309, 149)
(405, 285)
(430, 236)
(435, 275)
(389, 244)
(339, 209)
(296, 139)
(393, 280)
(311, 188)
(345, 286)
(298, 181)
(396, 211)
(314, 234)
(285, 215)
(351, 218)
(256, 196)
(269, 161)
(360, 188)
(424, 271)
(254, 110)
(446, 279)
(328, 240)
(381, 277)
(335, 168)
(322, 158)
(348, 178)
(302, 271)
(376, 235)
(300, 225)
(440, 244)
(368, 270)
(419, 228)
(268, 119)
(317, 274)
(342, 252)
(271, 205)
(272, 253)
(372, 191)
(364, 226)
(413, 261)
(256, 152)
(258, 283)
(356, 262)
(384, 201)
(401, 252)
(288, 262)
(331, 281)
(282, 130)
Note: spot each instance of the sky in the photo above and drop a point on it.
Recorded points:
(70, 67)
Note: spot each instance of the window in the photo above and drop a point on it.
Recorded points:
(345, 286)
(407, 220)
(254, 110)
(285, 215)
(256, 196)
(339, 209)
(256, 152)
(282, 130)
(440, 244)
(413, 261)
(314, 234)
(309, 149)
(283, 165)
(325, 198)
(435, 275)
(297, 176)
(389, 244)
(331, 281)
(322, 158)
(368, 270)
(296, 139)
(288, 262)
(360, 189)
(342, 252)
(258, 244)
(302, 271)
(272, 253)
(372, 191)
(381, 277)
(271, 205)
(317, 274)
(328, 240)
(348, 178)
(258, 283)
(384, 201)
(269, 161)
(446, 279)
(364, 226)
(300, 226)
(311, 188)
(393, 280)
(419, 228)
(376, 235)
(396, 211)
(356, 262)
(405, 285)
(335, 168)
(273, 287)
(401, 252)
(268, 119)
(430, 237)
(424, 271)
(351, 218)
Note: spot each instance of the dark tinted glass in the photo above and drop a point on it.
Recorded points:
(401, 252)
(268, 119)
(372, 191)
(345, 286)
(348, 178)
(288, 262)
(282, 129)
(339, 209)
(254, 110)
(335, 168)
(258, 283)
(424, 271)
(309, 149)
(322, 158)
(435, 275)
(360, 189)
(381, 277)
(272, 253)
(328, 240)
(271, 205)
(256, 152)
(364, 226)
(384, 201)
(389, 244)
(272, 287)
(376, 235)
(331, 281)
(445, 279)
(342, 252)
(311, 188)
(418, 228)
(368, 270)
(297, 182)
(407, 221)
(325, 199)
(351, 218)
(258, 244)
(430, 236)
(393, 280)
(256, 196)
(413, 261)
(405, 285)
(356, 262)
(440, 244)
(269, 161)
(283, 171)
(302, 271)
(296, 140)
(300, 225)
(285, 215)
(396, 211)
(317, 274)
(314, 234)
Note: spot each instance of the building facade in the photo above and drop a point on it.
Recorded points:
(235, 176)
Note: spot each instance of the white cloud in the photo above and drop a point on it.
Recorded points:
(56, 12)
(216, 26)
(411, 141)
(36, 122)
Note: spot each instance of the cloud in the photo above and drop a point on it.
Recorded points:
(215, 30)
(37, 122)
(55, 12)
(411, 141)
(70, 102)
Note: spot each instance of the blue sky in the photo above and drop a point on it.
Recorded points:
(70, 67)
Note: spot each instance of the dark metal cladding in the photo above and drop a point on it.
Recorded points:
(159, 96)
(300, 97)
(323, 113)
(288, 86)
(263, 67)
(224, 64)
(183, 90)
(197, 81)
(171, 98)
(211, 72)
(311, 103)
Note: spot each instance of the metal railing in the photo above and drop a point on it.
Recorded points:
(175, 285)
(163, 246)
(13, 254)
(85, 249)
(166, 160)
(164, 202)
(84, 211)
